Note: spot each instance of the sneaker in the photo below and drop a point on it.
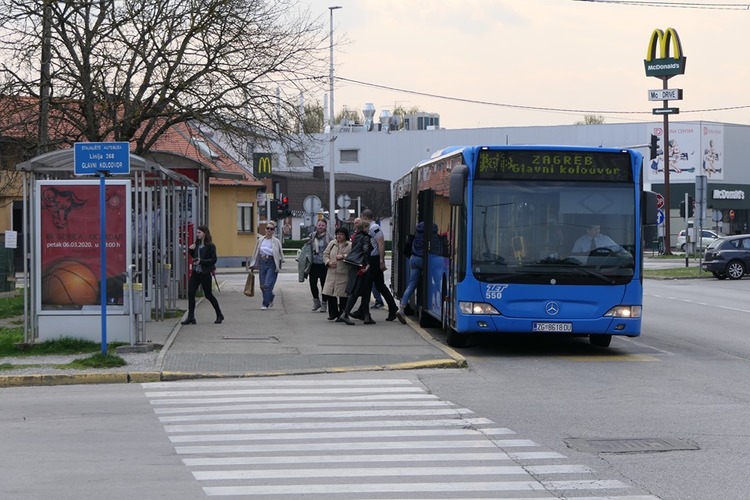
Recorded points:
(264, 308)
(270, 305)
(378, 305)
(400, 316)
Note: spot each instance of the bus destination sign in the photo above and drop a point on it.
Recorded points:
(554, 165)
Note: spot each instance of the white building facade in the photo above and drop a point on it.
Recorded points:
(715, 150)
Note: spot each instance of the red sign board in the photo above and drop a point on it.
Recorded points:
(659, 200)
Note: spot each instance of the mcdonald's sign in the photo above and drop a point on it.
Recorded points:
(262, 165)
(659, 62)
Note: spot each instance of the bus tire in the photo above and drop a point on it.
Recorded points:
(600, 340)
(427, 321)
(455, 339)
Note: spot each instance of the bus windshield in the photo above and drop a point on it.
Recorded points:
(553, 232)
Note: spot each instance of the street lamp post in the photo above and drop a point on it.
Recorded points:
(331, 138)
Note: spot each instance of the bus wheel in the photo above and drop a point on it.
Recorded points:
(600, 340)
(456, 340)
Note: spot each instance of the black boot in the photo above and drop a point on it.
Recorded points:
(369, 320)
(219, 318)
(344, 318)
(189, 321)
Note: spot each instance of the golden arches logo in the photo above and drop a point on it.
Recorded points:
(263, 165)
(658, 60)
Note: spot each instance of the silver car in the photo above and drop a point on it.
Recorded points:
(707, 236)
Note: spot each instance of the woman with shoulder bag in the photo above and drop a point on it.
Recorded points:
(358, 285)
(268, 258)
(337, 277)
(203, 252)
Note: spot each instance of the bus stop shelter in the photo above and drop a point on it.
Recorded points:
(150, 217)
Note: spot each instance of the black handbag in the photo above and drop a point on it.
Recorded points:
(359, 254)
(355, 258)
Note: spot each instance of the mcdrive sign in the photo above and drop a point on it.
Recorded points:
(660, 61)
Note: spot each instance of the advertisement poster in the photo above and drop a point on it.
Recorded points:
(693, 149)
(69, 243)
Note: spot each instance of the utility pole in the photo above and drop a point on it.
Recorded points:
(44, 81)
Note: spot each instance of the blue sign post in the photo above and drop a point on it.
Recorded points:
(102, 159)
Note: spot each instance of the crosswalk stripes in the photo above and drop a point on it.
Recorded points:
(362, 439)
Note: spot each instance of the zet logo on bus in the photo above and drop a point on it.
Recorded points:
(660, 63)
(495, 291)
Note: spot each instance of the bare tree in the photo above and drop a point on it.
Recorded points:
(128, 70)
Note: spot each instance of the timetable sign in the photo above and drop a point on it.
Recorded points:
(665, 95)
(91, 158)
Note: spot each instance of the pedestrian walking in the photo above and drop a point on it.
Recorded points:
(337, 277)
(318, 242)
(268, 259)
(377, 268)
(359, 283)
(203, 253)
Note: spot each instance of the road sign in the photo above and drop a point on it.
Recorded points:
(659, 200)
(91, 158)
(665, 95)
(343, 201)
(343, 214)
(660, 217)
(666, 111)
(716, 215)
(311, 204)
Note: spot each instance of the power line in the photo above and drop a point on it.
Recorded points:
(676, 5)
(529, 108)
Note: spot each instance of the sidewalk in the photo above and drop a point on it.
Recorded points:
(290, 339)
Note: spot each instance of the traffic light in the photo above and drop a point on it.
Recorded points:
(690, 207)
(278, 209)
(654, 147)
(285, 207)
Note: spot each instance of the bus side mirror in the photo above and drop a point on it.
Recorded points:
(648, 208)
(458, 185)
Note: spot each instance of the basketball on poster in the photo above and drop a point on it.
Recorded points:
(70, 244)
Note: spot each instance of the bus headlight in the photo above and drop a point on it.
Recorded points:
(624, 312)
(477, 308)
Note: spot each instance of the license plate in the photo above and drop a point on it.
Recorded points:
(552, 327)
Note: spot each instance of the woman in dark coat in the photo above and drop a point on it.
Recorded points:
(203, 252)
(359, 284)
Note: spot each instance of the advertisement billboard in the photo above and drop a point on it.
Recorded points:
(68, 276)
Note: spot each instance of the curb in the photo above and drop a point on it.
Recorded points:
(453, 360)
(78, 379)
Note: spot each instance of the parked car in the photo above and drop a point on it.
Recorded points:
(728, 257)
(707, 236)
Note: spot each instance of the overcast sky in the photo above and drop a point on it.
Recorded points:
(586, 57)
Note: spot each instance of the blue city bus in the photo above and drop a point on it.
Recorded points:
(500, 227)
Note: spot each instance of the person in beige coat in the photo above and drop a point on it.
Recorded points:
(334, 289)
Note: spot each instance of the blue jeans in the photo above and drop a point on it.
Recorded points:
(267, 276)
(416, 264)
